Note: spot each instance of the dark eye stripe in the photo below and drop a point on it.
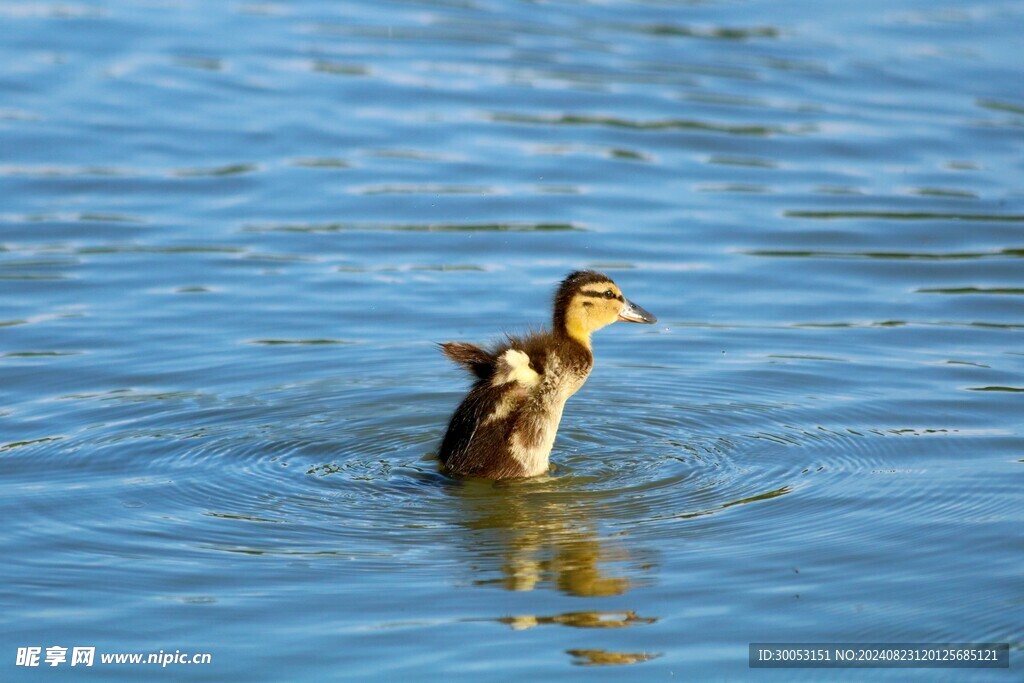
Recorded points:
(601, 295)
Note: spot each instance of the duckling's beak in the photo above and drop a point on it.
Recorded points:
(631, 313)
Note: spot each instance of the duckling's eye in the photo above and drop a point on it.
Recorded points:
(609, 294)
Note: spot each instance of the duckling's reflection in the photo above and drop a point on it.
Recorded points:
(524, 536)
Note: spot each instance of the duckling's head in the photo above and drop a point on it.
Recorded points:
(587, 301)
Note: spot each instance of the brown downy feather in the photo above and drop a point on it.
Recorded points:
(472, 357)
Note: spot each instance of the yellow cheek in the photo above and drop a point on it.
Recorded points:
(609, 311)
(600, 314)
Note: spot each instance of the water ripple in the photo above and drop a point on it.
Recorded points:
(890, 255)
(657, 125)
(908, 216)
(412, 227)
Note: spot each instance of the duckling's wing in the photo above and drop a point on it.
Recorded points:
(513, 365)
(473, 358)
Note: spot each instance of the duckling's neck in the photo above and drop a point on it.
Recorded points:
(573, 328)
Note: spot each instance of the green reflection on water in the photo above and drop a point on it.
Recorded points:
(661, 124)
(906, 215)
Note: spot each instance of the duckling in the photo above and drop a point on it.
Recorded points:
(506, 425)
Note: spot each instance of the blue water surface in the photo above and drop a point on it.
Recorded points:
(231, 234)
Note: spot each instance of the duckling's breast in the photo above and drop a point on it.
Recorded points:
(540, 414)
